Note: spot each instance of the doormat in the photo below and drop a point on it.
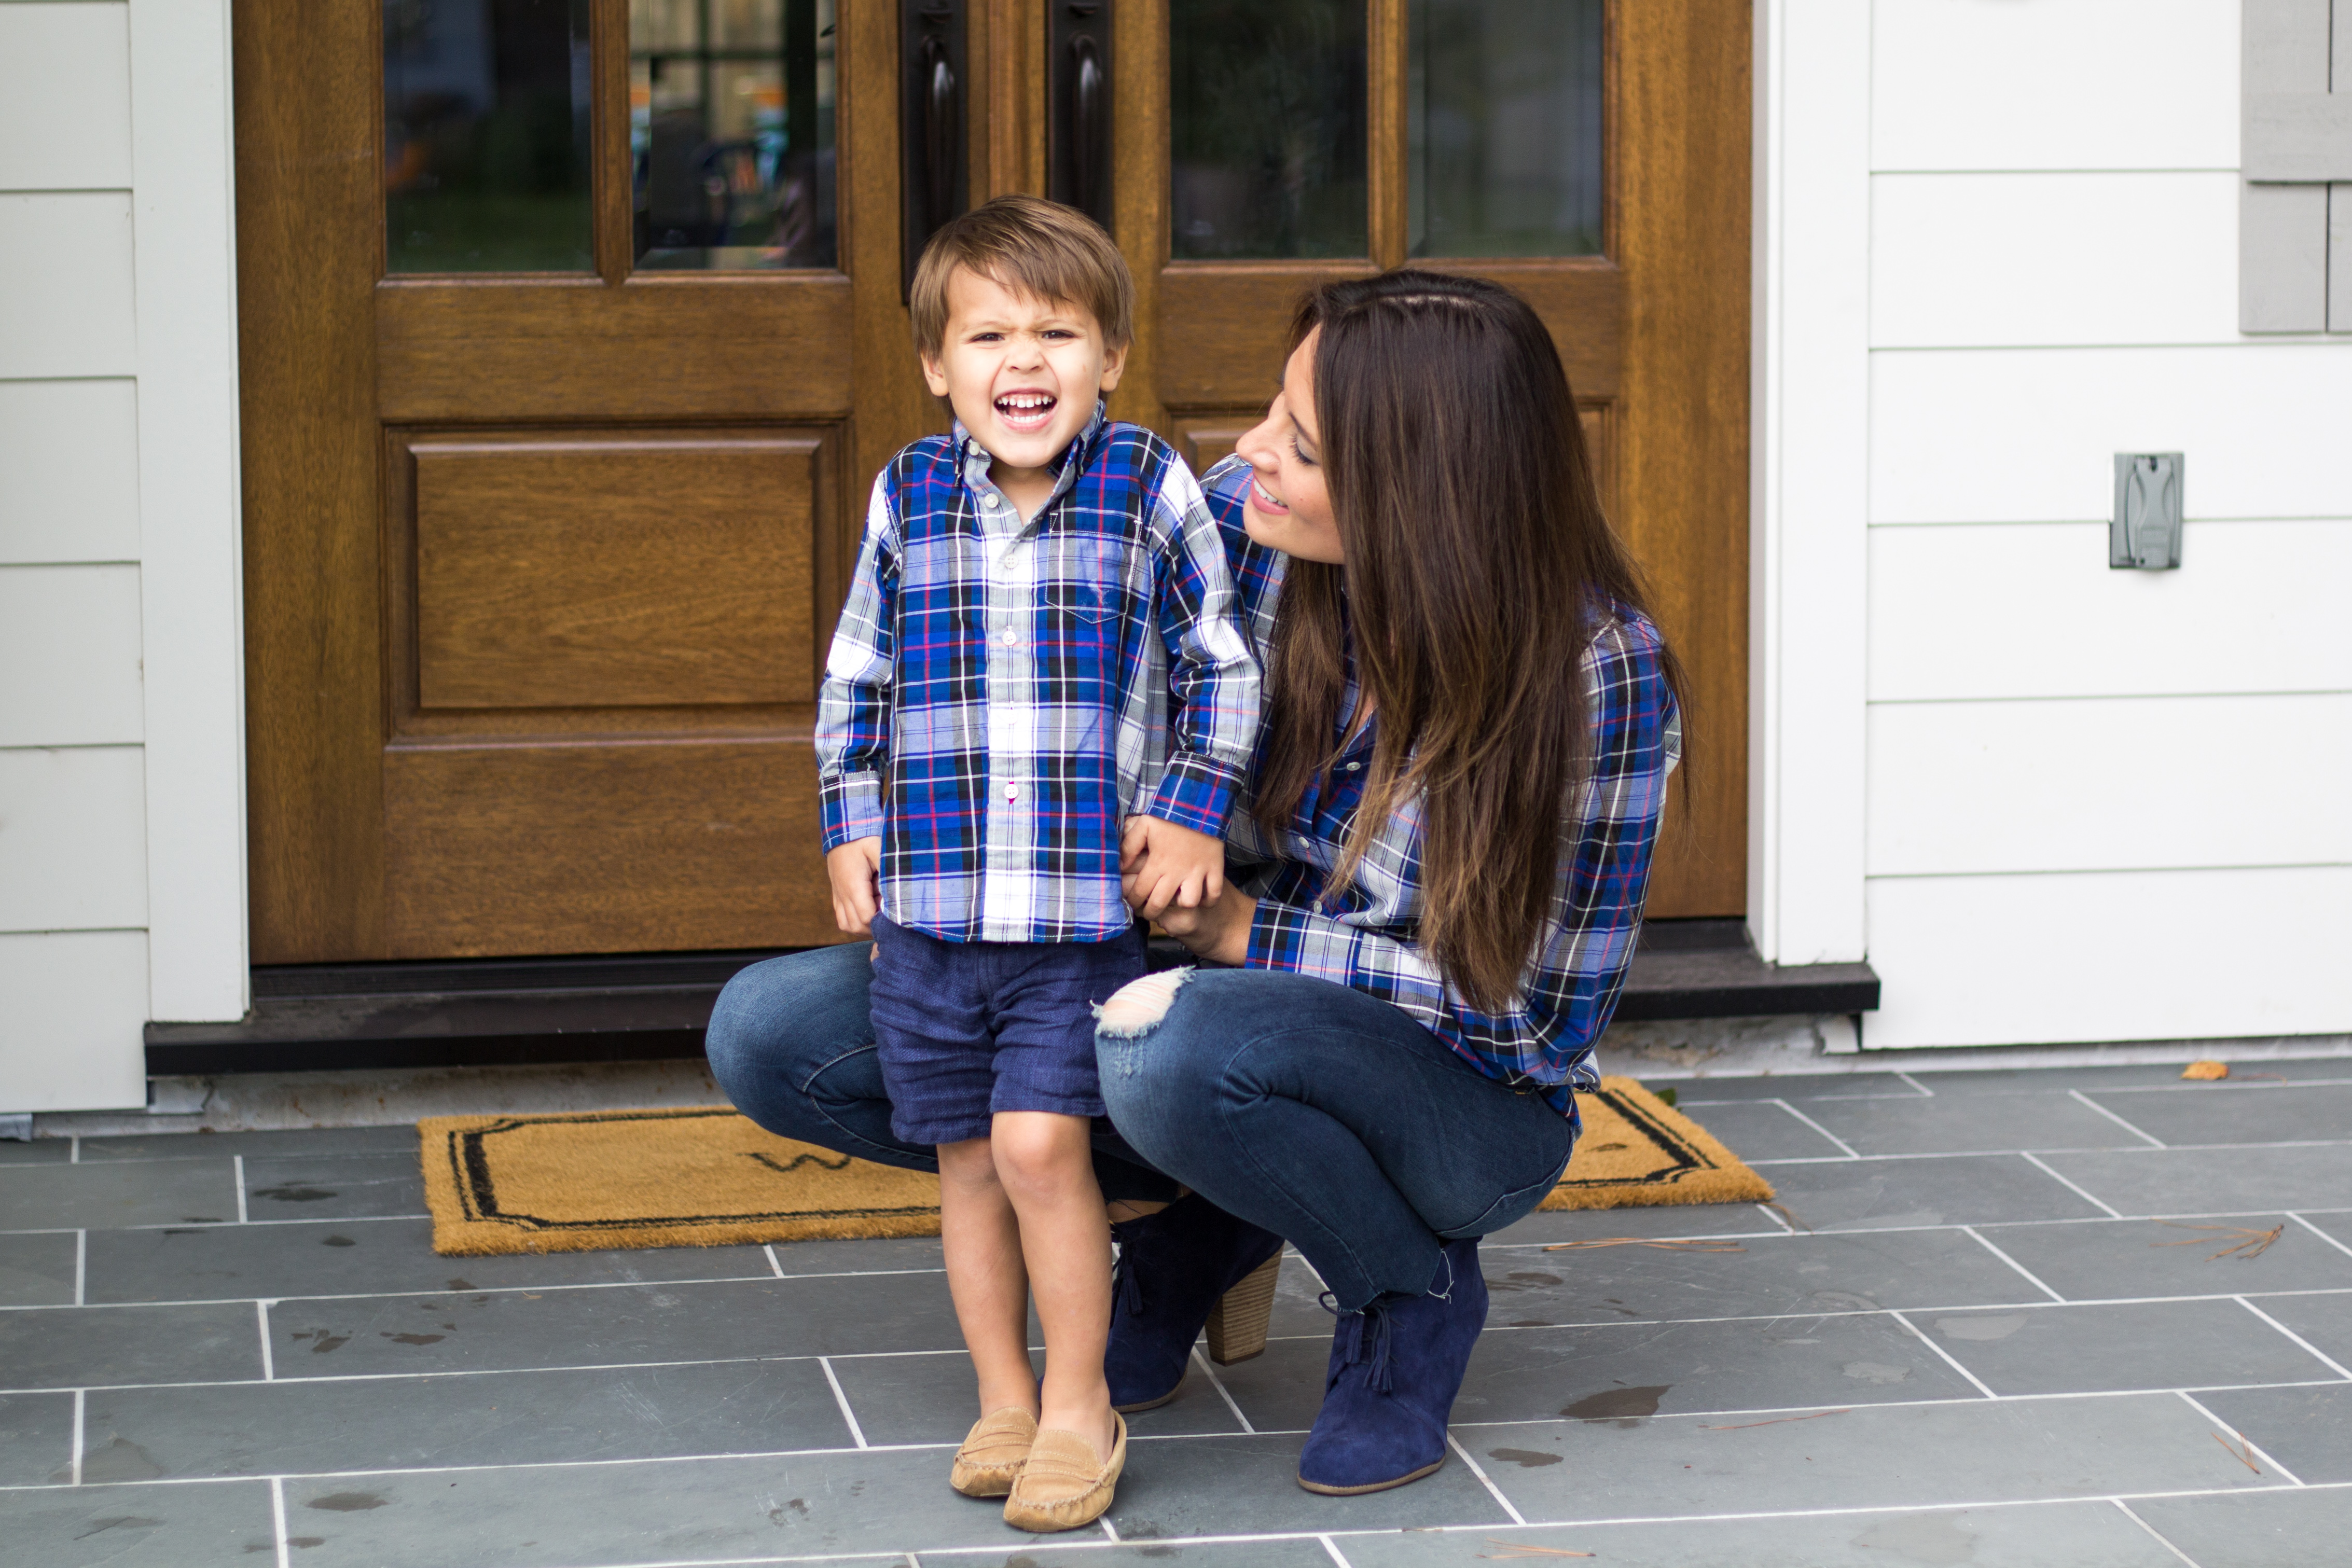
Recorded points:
(584, 1181)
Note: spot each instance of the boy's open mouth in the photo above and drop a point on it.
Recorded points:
(1026, 410)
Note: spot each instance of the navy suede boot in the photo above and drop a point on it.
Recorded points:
(1395, 1369)
(1175, 1269)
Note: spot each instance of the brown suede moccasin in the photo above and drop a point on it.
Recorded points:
(1064, 1486)
(993, 1452)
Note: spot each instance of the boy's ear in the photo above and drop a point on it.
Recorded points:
(935, 373)
(1114, 363)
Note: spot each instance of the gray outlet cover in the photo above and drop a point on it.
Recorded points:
(2145, 530)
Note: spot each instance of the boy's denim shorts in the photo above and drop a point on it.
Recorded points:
(965, 1029)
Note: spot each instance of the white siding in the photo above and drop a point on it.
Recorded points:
(68, 470)
(121, 808)
(65, 97)
(2103, 805)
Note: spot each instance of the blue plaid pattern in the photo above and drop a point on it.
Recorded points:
(1544, 1037)
(1002, 694)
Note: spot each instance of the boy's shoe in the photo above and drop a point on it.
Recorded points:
(1064, 1486)
(993, 1453)
(1189, 1265)
(1395, 1369)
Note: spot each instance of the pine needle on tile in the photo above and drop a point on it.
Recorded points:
(1522, 1549)
(1670, 1245)
(2251, 1242)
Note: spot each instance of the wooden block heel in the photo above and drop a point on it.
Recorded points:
(1237, 1323)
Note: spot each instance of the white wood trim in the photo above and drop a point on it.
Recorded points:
(192, 606)
(1809, 513)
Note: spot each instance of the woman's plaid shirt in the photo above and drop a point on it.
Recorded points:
(1544, 1036)
(1001, 695)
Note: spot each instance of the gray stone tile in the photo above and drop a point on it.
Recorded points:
(1652, 1219)
(1763, 1130)
(1958, 1083)
(515, 1417)
(329, 1258)
(1952, 1125)
(2325, 1321)
(36, 1152)
(894, 1255)
(2308, 1430)
(1695, 1093)
(72, 1347)
(2338, 1225)
(1222, 1485)
(37, 1270)
(304, 1144)
(1772, 1274)
(2113, 1259)
(930, 1399)
(344, 1186)
(36, 1438)
(2221, 1113)
(1972, 1452)
(2040, 1535)
(623, 1325)
(2213, 1181)
(1955, 1189)
(1266, 1553)
(2100, 1349)
(222, 1526)
(2285, 1529)
(101, 1196)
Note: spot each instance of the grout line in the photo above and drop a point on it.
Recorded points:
(2038, 1165)
(1332, 1547)
(2118, 1121)
(492, 1289)
(1455, 1444)
(1924, 1091)
(1219, 1384)
(2065, 1149)
(278, 1518)
(1851, 1152)
(242, 1218)
(2153, 1533)
(1947, 1355)
(856, 1433)
(81, 1267)
(269, 1363)
(2252, 1446)
(2307, 1224)
(80, 1406)
(771, 1250)
(2333, 1364)
(1107, 1529)
(73, 1154)
(2031, 1278)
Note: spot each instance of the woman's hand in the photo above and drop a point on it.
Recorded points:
(1217, 930)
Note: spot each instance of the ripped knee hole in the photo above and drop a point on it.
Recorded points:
(1136, 1007)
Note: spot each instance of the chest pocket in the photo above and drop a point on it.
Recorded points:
(1087, 577)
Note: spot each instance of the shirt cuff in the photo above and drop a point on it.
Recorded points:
(852, 807)
(1196, 793)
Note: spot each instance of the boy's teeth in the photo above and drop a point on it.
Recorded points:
(1025, 402)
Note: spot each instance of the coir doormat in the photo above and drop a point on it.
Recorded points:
(710, 1177)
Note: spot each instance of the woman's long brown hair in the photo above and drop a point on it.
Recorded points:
(1478, 566)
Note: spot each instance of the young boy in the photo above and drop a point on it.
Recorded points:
(1040, 639)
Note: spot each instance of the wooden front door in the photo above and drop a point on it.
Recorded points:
(574, 333)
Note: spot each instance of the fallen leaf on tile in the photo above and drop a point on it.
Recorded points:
(2206, 1072)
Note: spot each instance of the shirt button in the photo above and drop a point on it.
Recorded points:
(1009, 637)
(991, 501)
(1012, 791)
(1353, 767)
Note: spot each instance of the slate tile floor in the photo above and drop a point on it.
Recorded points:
(1976, 1330)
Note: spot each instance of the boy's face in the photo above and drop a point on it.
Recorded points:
(1022, 374)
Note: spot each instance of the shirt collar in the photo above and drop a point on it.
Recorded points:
(974, 459)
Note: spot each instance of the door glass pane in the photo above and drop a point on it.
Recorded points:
(486, 135)
(1503, 128)
(1267, 128)
(730, 132)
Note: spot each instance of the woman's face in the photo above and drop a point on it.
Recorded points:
(1289, 508)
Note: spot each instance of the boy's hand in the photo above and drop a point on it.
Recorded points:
(1162, 864)
(855, 872)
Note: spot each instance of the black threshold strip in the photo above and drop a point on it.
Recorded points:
(476, 1012)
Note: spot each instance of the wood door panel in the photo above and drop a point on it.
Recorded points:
(710, 346)
(606, 848)
(615, 571)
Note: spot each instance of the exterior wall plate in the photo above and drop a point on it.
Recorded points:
(2144, 532)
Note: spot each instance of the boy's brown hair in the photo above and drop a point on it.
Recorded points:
(1035, 248)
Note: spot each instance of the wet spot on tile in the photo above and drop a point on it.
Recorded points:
(297, 1194)
(119, 1460)
(337, 1241)
(414, 1338)
(346, 1501)
(1621, 1405)
(1875, 1372)
(1526, 1459)
(461, 1285)
(119, 1521)
(1992, 1328)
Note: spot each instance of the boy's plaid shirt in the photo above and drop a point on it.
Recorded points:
(999, 696)
(1369, 940)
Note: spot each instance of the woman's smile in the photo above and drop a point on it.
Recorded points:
(1264, 500)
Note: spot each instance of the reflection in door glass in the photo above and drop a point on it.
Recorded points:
(1267, 128)
(730, 132)
(1503, 133)
(486, 135)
